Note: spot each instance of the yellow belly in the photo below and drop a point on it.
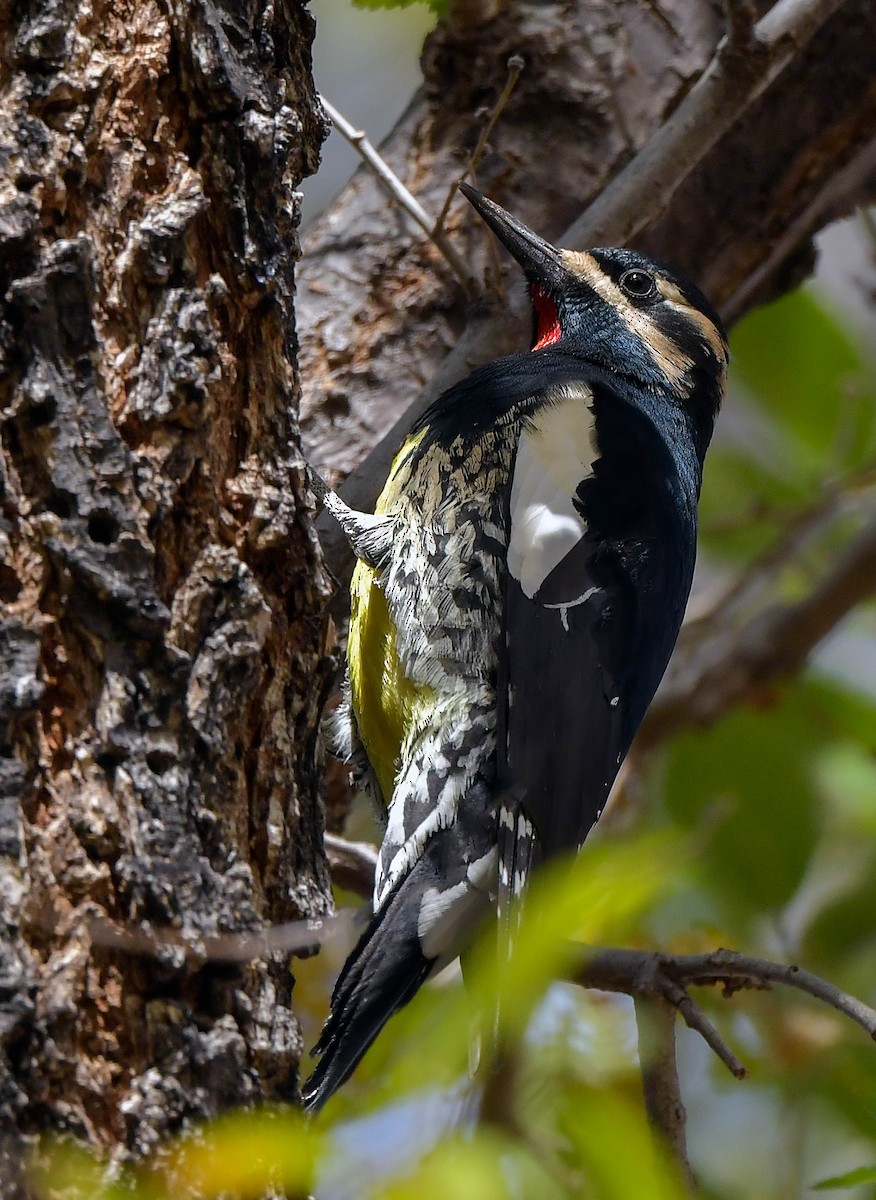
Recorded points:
(383, 697)
(385, 701)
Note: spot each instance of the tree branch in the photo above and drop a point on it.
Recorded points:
(720, 660)
(644, 972)
(655, 1021)
(696, 1019)
(352, 864)
(515, 66)
(729, 85)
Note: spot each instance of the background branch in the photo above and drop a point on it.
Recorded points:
(722, 658)
(352, 864)
(642, 972)
(655, 1022)
(728, 87)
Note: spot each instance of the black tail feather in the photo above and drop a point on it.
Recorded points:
(381, 975)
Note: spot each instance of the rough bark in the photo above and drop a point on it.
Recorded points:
(379, 310)
(161, 645)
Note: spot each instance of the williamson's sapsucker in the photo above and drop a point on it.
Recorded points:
(518, 593)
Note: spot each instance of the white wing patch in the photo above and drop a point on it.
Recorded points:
(554, 454)
(448, 918)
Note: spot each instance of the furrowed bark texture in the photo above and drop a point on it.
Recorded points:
(379, 310)
(161, 657)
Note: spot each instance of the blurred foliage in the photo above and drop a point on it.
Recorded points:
(439, 7)
(861, 1175)
(757, 833)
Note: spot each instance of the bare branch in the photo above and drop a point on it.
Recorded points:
(366, 150)
(696, 1019)
(655, 1021)
(734, 971)
(293, 937)
(352, 867)
(352, 864)
(643, 972)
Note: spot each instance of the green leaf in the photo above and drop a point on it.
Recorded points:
(457, 1168)
(742, 499)
(439, 7)
(849, 713)
(845, 923)
(850, 1179)
(244, 1154)
(615, 1148)
(61, 1169)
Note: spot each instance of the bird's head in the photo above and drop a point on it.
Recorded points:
(626, 313)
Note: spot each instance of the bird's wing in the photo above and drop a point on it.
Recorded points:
(569, 617)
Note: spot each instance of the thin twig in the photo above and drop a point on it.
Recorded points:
(352, 866)
(868, 220)
(655, 1022)
(696, 1019)
(654, 7)
(735, 970)
(741, 18)
(293, 937)
(515, 67)
(358, 139)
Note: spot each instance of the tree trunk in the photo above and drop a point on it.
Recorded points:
(162, 651)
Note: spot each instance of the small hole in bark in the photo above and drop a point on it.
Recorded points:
(61, 504)
(103, 528)
(42, 413)
(10, 584)
(109, 759)
(159, 761)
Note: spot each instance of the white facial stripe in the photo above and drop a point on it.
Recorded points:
(668, 357)
(553, 456)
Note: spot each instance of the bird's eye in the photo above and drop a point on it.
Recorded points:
(638, 284)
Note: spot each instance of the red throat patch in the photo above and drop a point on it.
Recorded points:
(548, 330)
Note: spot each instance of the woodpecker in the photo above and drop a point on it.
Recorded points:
(518, 592)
